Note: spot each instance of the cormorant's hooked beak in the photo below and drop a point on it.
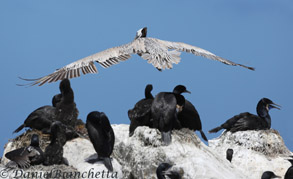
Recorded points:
(186, 91)
(276, 176)
(273, 105)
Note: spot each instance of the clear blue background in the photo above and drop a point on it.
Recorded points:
(37, 37)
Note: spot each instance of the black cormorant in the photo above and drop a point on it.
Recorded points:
(229, 154)
(269, 175)
(289, 173)
(102, 136)
(164, 110)
(66, 110)
(163, 172)
(54, 151)
(26, 156)
(189, 118)
(41, 118)
(246, 121)
(140, 115)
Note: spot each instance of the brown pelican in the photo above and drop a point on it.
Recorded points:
(160, 53)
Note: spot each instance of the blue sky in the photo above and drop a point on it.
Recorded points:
(38, 37)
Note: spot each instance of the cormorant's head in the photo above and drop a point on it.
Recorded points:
(64, 85)
(35, 140)
(264, 105)
(98, 119)
(141, 33)
(149, 87)
(56, 99)
(94, 117)
(180, 89)
(269, 174)
(269, 104)
(147, 91)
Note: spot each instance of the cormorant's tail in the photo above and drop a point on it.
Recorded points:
(108, 164)
(215, 129)
(203, 135)
(166, 137)
(19, 128)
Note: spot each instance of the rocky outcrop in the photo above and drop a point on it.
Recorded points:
(254, 151)
(138, 156)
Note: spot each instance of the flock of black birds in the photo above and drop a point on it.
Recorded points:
(166, 111)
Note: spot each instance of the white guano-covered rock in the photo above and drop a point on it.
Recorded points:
(254, 151)
(138, 157)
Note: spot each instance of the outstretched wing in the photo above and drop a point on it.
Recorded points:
(156, 54)
(86, 65)
(198, 51)
(20, 156)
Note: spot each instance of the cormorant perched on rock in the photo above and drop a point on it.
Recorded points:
(26, 156)
(269, 175)
(41, 118)
(289, 173)
(189, 118)
(164, 110)
(140, 115)
(246, 121)
(163, 172)
(54, 151)
(102, 137)
(229, 154)
(66, 110)
(160, 53)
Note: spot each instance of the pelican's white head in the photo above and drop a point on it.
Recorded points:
(141, 33)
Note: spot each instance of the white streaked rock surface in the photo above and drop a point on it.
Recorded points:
(138, 156)
(254, 151)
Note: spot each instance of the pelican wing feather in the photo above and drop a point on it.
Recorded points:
(198, 52)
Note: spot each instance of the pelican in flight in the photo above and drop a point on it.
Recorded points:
(160, 53)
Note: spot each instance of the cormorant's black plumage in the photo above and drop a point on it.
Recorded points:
(66, 110)
(26, 156)
(269, 175)
(189, 118)
(140, 115)
(246, 121)
(54, 151)
(163, 172)
(229, 154)
(102, 136)
(41, 118)
(289, 173)
(56, 99)
(164, 110)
